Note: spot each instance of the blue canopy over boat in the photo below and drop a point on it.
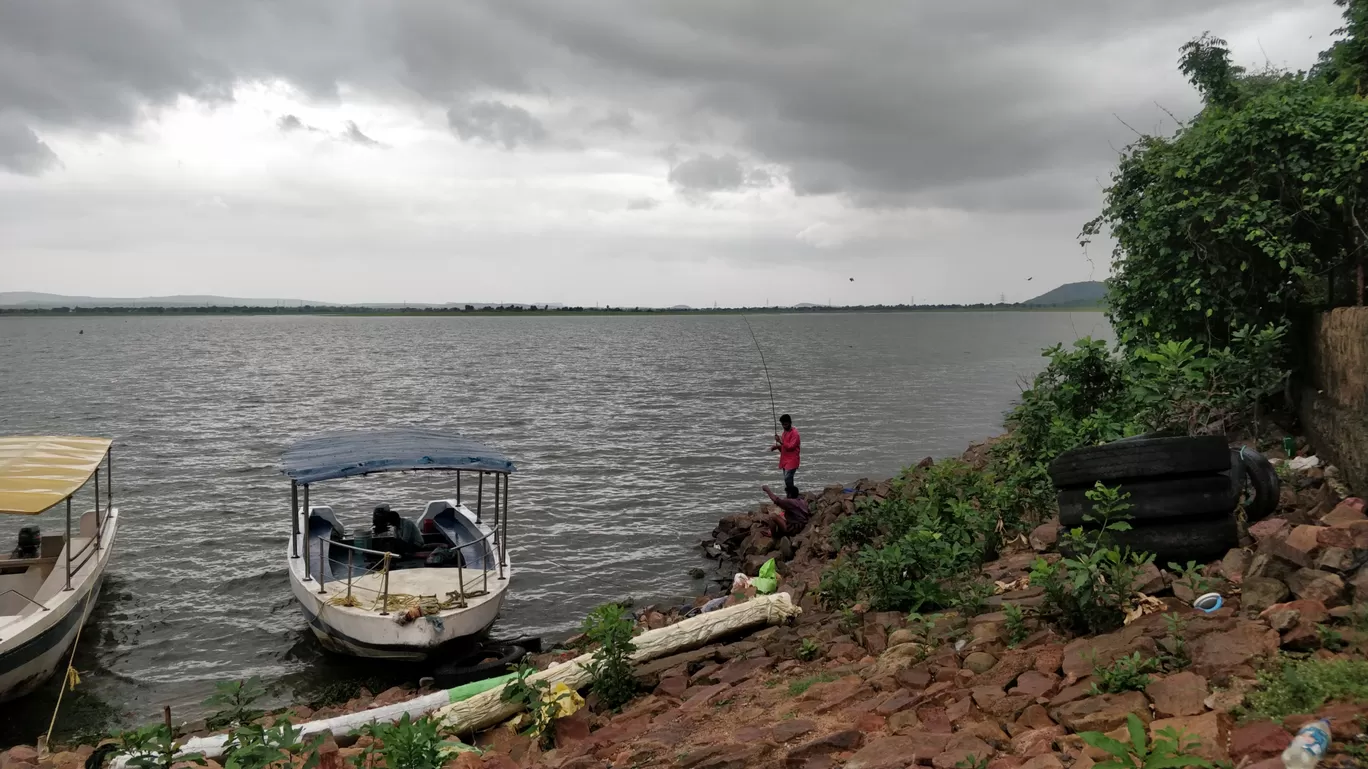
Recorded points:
(346, 454)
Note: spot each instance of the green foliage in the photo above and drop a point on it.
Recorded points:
(1073, 402)
(916, 546)
(1016, 624)
(253, 746)
(234, 703)
(972, 598)
(1090, 591)
(808, 650)
(535, 697)
(972, 761)
(153, 747)
(611, 666)
(1192, 577)
(1168, 751)
(1241, 217)
(411, 743)
(803, 684)
(1302, 686)
(1125, 674)
(1173, 646)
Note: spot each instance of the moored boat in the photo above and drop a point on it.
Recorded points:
(403, 589)
(49, 583)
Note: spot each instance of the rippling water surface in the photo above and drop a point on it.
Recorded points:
(632, 436)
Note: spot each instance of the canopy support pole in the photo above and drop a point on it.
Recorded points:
(479, 499)
(97, 507)
(458, 487)
(68, 545)
(503, 540)
(498, 484)
(294, 519)
(109, 485)
(307, 566)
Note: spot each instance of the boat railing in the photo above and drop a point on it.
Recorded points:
(384, 569)
(26, 598)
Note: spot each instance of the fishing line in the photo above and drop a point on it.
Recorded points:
(773, 412)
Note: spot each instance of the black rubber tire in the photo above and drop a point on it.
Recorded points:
(1200, 540)
(1171, 498)
(1138, 459)
(1264, 479)
(473, 666)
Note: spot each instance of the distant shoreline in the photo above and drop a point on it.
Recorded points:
(520, 311)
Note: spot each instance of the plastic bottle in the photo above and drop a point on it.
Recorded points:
(1309, 746)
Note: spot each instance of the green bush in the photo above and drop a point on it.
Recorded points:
(1303, 686)
(1125, 674)
(611, 666)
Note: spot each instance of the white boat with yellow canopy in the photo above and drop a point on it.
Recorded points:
(49, 583)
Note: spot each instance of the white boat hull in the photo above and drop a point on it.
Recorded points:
(363, 631)
(36, 644)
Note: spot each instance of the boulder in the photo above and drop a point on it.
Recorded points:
(1181, 694)
(1044, 537)
(1258, 740)
(963, 750)
(887, 753)
(1104, 712)
(1347, 512)
(1036, 742)
(901, 636)
(1234, 564)
(1285, 616)
(1083, 654)
(1011, 664)
(1047, 761)
(1149, 580)
(836, 742)
(1035, 685)
(980, 662)
(1270, 529)
(1321, 586)
(1210, 732)
(792, 729)
(924, 745)
(1214, 654)
(1335, 559)
(1259, 593)
(895, 658)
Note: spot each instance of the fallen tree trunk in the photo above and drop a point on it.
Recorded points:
(488, 708)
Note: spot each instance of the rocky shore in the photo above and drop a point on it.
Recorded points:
(882, 690)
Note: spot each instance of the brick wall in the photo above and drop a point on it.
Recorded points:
(1334, 407)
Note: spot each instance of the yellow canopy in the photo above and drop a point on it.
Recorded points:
(38, 471)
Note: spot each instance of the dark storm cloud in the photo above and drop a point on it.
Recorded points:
(354, 134)
(883, 101)
(496, 123)
(21, 151)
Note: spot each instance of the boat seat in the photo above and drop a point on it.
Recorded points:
(21, 565)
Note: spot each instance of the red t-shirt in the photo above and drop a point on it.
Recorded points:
(789, 444)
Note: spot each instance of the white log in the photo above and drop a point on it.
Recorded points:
(488, 708)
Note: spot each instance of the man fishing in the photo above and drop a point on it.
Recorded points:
(788, 444)
(790, 517)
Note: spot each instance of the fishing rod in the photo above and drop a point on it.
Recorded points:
(773, 411)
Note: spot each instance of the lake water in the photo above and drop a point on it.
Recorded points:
(632, 436)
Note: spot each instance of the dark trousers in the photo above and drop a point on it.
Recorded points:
(790, 489)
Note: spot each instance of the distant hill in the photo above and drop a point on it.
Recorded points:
(37, 300)
(1090, 293)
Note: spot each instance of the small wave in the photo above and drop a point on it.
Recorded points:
(250, 581)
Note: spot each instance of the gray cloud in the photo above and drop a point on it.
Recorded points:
(289, 123)
(619, 120)
(22, 152)
(642, 204)
(496, 123)
(883, 101)
(353, 134)
(704, 174)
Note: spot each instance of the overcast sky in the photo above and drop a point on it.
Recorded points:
(586, 151)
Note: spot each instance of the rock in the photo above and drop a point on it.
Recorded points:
(1035, 685)
(739, 670)
(1317, 585)
(903, 721)
(963, 750)
(924, 746)
(1335, 559)
(846, 739)
(1181, 694)
(21, 754)
(1104, 712)
(1347, 512)
(1044, 537)
(1214, 654)
(1360, 585)
(899, 701)
(1265, 565)
(896, 658)
(1048, 761)
(1036, 742)
(980, 662)
(1083, 654)
(914, 678)
(674, 686)
(1284, 616)
(1270, 529)
(1011, 664)
(901, 636)
(988, 731)
(885, 753)
(703, 696)
(1235, 563)
(1259, 740)
(1048, 659)
(1149, 580)
(1259, 593)
(1299, 547)
(792, 729)
(572, 729)
(1211, 732)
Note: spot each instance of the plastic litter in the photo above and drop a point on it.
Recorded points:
(1303, 463)
(1208, 602)
(768, 580)
(1309, 746)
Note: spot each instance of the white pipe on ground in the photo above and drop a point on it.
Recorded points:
(487, 708)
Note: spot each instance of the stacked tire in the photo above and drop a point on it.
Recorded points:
(1183, 493)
